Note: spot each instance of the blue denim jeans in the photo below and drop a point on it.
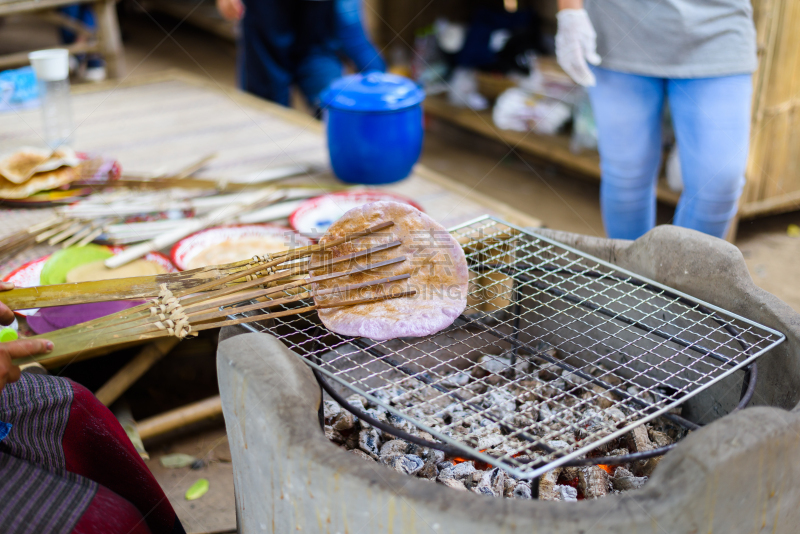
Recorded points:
(711, 119)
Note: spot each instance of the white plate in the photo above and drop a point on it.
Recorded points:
(185, 254)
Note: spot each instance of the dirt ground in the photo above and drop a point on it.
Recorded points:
(560, 200)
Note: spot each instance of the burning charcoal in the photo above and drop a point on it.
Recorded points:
(566, 493)
(619, 452)
(494, 364)
(508, 488)
(572, 379)
(570, 473)
(429, 471)
(344, 420)
(456, 380)
(545, 414)
(502, 401)
(496, 478)
(368, 440)
(608, 377)
(645, 468)
(452, 483)
(400, 423)
(334, 435)
(378, 413)
(593, 481)
(614, 414)
(660, 439)
(390, 449)
(445, 465)
(489, 441)
(463, 469)
(362, 454)
(638, 441)
(381, 395)
(357, 401)
(623, 480)
(409, 464)
(549, 371)
(603, 398)
(560, 445)
(547, 485)
(331, 409)
(474, 479)
(434, 455)
(522, 491)
(559, 384)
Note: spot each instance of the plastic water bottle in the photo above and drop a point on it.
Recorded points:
(52, 74)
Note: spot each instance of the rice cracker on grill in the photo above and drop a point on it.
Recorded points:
(434, 259)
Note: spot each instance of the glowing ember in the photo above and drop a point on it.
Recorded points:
(607, 468)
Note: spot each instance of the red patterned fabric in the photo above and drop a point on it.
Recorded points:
(95, 446)
(67, 466)
(108, 512)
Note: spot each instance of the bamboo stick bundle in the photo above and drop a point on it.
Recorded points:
(268, 285)
(139, 287)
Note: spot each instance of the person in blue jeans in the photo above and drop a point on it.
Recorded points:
(632, 55)
(285, 42)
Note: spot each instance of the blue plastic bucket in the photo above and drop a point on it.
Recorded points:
(374, 127)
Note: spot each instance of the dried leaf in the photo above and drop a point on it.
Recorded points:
(197, 490)
(177, 460)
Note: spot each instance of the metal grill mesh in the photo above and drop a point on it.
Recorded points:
(549, 334)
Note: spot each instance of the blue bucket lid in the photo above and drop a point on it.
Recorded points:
(373, 91)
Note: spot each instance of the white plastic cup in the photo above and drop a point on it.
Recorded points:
(52, 76)
(50, 65)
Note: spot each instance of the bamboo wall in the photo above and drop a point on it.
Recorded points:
(774, 162)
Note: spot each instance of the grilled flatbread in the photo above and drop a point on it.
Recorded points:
(20, 166)
(434, 259)
(42, 181)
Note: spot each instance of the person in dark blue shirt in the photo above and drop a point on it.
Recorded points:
(285, 42)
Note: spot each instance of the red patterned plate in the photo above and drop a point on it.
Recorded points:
(227, 244)
(313, 217)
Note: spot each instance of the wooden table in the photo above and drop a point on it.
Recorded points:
(165, 121)
(104, 40)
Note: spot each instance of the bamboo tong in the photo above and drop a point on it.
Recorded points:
(271, 282)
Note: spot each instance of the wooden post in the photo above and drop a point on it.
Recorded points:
(180, 417)
(134, 369)
(109, 39)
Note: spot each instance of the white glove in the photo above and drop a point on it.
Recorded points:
(576, 43)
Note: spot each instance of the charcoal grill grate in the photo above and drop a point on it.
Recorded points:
(536, 306)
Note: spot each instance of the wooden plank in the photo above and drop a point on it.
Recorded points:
(771, 206)
(503, 210)
(18, 59)
(109, 37)
(554, 148)
(180, 418)
(551, 148)
(10, 7)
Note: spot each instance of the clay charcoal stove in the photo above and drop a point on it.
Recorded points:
(562, 380)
